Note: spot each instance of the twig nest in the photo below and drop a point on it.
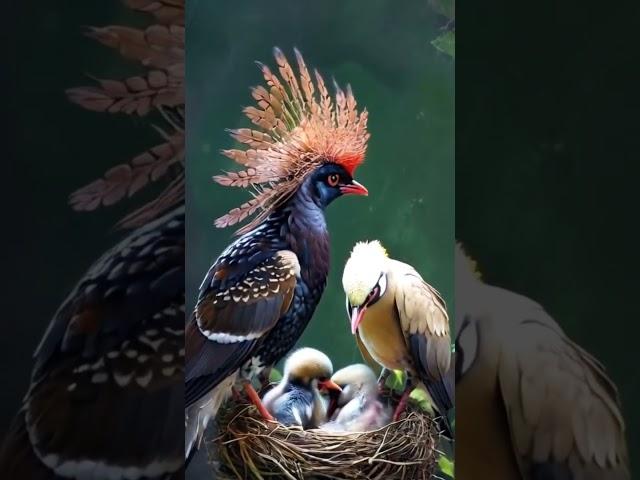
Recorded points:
(247, 447)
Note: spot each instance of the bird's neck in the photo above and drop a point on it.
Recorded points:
(305, 229)
(306, 213)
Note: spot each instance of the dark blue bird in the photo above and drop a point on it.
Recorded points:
(258, 297)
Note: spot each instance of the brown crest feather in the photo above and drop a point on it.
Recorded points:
(166, 11)
(299, 127)
(159, 48)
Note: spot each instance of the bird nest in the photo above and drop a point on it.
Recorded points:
(247, 447)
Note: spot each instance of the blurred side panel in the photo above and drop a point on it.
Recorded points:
(546, 182)
(94, 342)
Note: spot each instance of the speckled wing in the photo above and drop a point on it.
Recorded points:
(425, 324)
(238, 305)
(107, 389)
(562, 409)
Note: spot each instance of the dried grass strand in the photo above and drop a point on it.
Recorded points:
(249, 448)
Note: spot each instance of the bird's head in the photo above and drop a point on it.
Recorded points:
(364, 279)
(331, 181)
(310, 368)
(303, 138)
(354, 380)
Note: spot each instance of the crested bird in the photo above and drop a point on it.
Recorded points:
(296, 400)
(401, 322)
(257, 298)
(357, 406)
(532, 404)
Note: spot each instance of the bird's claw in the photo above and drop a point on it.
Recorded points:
(402, 404)
(267, 416)
(399, 411)
(255, 399)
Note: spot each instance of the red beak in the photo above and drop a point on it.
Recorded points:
(357, 314)
(329, 385)
(354, 188)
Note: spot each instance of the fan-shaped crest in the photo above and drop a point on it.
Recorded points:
(300, 127)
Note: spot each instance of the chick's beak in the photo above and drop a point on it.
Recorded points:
(354, 188)
(357, 314)
(329, 385)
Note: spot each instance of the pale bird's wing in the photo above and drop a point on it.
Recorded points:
(425, 324)
(563, 411)
(239, 303)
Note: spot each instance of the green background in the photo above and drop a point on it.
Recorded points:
(408, 88)
(543, 187)
(547, 169)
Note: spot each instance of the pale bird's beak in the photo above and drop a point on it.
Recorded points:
(354, 188)
(357, 314)
(329, 385)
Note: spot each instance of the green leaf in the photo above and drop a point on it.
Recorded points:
(446, 43)
(446, 466)
(275, 375)
(422, 399)
(396, 380)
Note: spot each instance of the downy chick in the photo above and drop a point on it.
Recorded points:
(357, 408)
(296, 400)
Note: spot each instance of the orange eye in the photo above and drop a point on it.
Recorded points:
(333, 179)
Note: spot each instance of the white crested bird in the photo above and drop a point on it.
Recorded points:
(357, 407)
(401, 322)
(531, 402)
(296, 400)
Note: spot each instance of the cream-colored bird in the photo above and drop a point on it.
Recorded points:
(357, 408)
(296, 400)
(531, 404)
(401, 322)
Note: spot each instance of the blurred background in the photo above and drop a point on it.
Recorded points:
(547, 170)
(407, 85)
(54, 147)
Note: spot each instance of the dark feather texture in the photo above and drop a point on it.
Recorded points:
(297, 228)
(231, 318)
(296, 407)
(442, 390)
(208, 363)
(254, 301)
(111, 363)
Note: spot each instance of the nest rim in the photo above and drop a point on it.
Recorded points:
(246, 446)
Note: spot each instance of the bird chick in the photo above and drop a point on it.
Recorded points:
(357, 408)
(401, 322)
(296, 400)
